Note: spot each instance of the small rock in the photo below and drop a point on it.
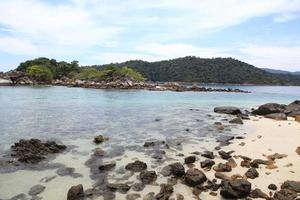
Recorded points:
(99, 139)
(276, 116)
(224, 155)
(236, 121)
(133, 196)
(257, 193)
(207, 163)
(208, 154)
(238, 188)
(251, 173)
(272, 187)
(37, 189)
(227, 110)
(166, 171)
(222, 176)
(148, 177)
(165, 192)
(194, 177)
(222, 168)
(136, 166)
(76, 193)
(190, 159)
(179, 196)
(107, 166)
(138, 187)
(231, 162)
(177, 169)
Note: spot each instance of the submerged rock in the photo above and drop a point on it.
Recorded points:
(37, 189)
(238, 188)
(133, 196)
(194, 177)
(99, 139)
(298, 150)
(138, 187)
(227, 110)
(76, 193)
(34, 150)
(120, 187)
(148, 177)
(107, 166)
(224, 155)
(136, 166)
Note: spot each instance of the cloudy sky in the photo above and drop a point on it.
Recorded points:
(265, 33)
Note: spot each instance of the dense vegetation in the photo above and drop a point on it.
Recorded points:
(186, 69)
(215, 70)
(44, 70)
(40, 73)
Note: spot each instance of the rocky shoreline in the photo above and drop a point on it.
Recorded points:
(20, 79)
(215, 173)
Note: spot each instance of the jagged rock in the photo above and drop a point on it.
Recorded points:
(37, 189)
(120, 187)
(207, 163)
(177, 169)
(236, 120)
(99, 139)
(190, 159)
(285, 194)
(208, 154)
(148, 177)
(224, 155)
(269, 108)
(222, 168)
(277, 116)
(227, 110)
(165, 192)
(257, 193)
(252, 173)
(107, 166)
(272, 187)
(194, 177)
(234, 189)
(136, 166)
(138, 187)
(34, 150)
(291, 185)
(76, 193)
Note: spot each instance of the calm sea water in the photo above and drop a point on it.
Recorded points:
(132, 115)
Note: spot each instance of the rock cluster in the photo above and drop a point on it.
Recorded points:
(34, 150)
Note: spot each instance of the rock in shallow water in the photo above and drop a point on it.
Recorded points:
(148, 177)
(136, 166)
(37, 189)
(76, 193)
(227, 110)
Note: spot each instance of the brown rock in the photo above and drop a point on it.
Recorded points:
(76, 193)
(194, 177)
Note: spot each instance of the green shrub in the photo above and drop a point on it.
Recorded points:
(90, 74)
(128, 72)
(40, 73)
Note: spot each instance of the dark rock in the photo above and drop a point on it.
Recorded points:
(257, 193)
(166, 171)
(152, 143)
(120, 187)
(177, 169)
(224, 155)
(277, 116)
(194, 177)
(269, 108)
(208, 154)
(165, 192)
(256, 162)
(21, 196)
(285, 194)
(190, 159)
(207, 163)
(136, 166)
(65, 171)
(236, 120)
(227, 110)
(99, 139)
(272, 187)
(37, 189)
(244, 116)
(298, 150)
(238, 188)
(231, 162)
(291, 185)
(252, 173)
(222, 168)
(148, 177)
(76, 193)
(222, 176)
(149, 196)
(138, 187)
(34, 150)
(107, 166)
(99, 152)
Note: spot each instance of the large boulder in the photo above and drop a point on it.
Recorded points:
(269, 108)
(235, 189)
(76, 193)
(293, 109)
(194, 177)
(227, 110)
(5, 82)
(276, 116)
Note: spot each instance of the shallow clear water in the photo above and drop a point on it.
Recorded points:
(128, 117)
(56, 112)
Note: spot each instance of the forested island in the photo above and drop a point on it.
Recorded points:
(139, 74)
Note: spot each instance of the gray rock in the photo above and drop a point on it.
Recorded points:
(236, 120)
(148, 177)
(194, 177)
(207, 163)
(76, 193)
(277, 116)
(165, 192)
(138, 187)
(132, 196)
(227, 110)
(37, 189)
(269, 108)
(136, 166)
(166, 171)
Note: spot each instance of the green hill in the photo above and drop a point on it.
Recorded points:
(205, 70)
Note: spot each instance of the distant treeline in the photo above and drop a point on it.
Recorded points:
(186, 69)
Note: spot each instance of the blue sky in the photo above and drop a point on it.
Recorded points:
(265, 33)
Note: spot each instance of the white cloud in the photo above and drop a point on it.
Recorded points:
(17, 46)
(285, 17)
